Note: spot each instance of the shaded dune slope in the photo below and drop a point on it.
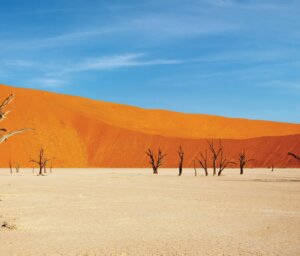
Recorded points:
(79, 132)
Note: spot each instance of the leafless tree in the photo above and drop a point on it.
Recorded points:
(243, 161)
(17, 168)
(41, 161)
(155, 160)
(272, 168)
(215, 154)
(203, 162)
(3, 114)
(223, 162)
(181, 158)
(10, 167)
(294, 155)
(195, 169)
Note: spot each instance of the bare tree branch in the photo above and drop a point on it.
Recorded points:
(155, 161)
(215, 153)
(223, 163)
(203, 162)
(243, 161)
(8, 100)
(294, 155)
(41, 161)
(8, 135)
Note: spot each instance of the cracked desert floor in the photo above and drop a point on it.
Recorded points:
(132, 212)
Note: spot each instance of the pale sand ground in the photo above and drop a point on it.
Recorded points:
(132, 212)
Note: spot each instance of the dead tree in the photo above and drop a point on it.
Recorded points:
(3, 114)
(223, 163)
(243, 161)
(294, 155)
(195, 169)
(45, 166)
(203, 162)
(10, 167)
(181, 157)
(17, 168)
(215, 154)
(41, 161)
(155, 161)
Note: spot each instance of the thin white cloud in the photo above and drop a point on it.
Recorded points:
(56, 77)
(49, 82)
(118, 61)
(158, 27)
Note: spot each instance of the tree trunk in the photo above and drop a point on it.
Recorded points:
(214, 167)
(241, 170)
(206, 172)
(41, 171)
(180, 170)
(155, 171)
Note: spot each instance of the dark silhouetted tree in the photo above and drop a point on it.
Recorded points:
(215, 154)
(181, 158)
(195, 169)
(41, 161)
(243, 161)
(203, 162)
(223, 162)
(155, 160)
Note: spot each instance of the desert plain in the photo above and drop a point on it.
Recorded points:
(133, 212)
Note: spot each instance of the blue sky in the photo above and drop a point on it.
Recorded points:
(238, 58)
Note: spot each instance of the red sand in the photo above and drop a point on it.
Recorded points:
(80, 132)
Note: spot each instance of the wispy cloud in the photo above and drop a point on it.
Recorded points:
(62, 40)
(55, 76)
(45, 82)
(157, 27)
(119, 61)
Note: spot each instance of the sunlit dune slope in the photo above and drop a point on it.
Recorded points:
(79, 132)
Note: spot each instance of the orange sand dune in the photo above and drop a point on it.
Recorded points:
(79, 132)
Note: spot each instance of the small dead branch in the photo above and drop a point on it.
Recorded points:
(9, 226)
(294, 155)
